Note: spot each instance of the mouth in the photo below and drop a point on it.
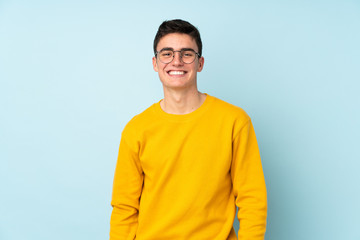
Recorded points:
(176, 73)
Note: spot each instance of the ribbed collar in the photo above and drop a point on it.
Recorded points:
(184, 117)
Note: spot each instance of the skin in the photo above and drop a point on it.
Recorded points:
(181, 95)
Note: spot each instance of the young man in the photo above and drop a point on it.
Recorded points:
(186, 162)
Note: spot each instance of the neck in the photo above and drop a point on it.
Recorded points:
(183, 102)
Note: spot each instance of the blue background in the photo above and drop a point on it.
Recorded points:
(72, 73)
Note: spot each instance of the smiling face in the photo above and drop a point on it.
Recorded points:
(176, 74)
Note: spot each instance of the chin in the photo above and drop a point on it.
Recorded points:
(176, 83)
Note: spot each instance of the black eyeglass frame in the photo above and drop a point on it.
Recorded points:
(180, 51)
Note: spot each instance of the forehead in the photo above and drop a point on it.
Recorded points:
(177, 41)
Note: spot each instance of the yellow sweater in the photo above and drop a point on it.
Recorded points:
(178, 177)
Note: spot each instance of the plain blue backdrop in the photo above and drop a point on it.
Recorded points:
(73, 73)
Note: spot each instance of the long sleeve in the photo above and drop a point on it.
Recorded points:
(127, 187)
(248, 184)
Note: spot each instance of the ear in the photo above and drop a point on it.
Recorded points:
(155, 66)
(201, 64)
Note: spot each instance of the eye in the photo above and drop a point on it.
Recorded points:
(166, 54)
(188, 54)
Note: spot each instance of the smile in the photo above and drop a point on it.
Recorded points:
(176, 73)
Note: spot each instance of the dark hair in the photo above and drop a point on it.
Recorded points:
(178, 26)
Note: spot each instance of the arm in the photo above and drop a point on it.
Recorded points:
(249, 184)
(127, 187)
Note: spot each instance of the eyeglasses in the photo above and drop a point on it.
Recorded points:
(187, 55)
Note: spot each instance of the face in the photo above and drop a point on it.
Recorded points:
(176, 74)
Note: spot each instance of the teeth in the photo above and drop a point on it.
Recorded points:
(176, 73)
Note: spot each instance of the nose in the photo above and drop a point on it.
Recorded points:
(177, 59)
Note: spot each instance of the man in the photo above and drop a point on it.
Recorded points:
(186, 162)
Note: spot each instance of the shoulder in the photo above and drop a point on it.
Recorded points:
(230, 116)
(139, 121)
(229, 110)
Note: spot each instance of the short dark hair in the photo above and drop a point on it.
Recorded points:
(178, 26)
